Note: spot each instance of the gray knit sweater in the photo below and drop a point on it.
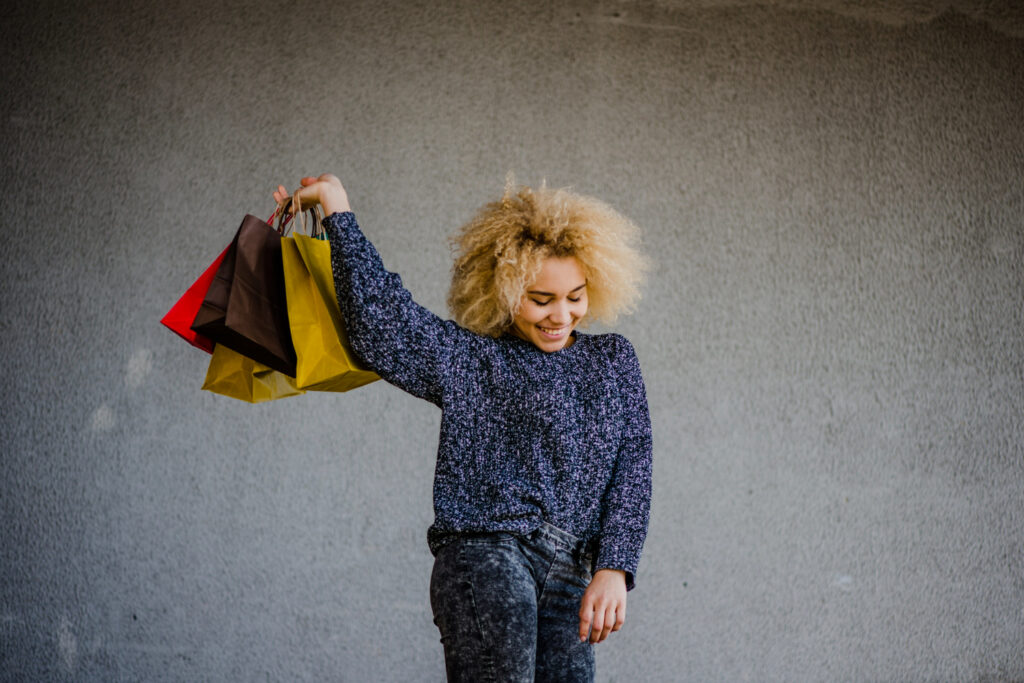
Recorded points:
(526, 436)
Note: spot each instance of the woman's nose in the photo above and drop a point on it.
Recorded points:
(560, 313)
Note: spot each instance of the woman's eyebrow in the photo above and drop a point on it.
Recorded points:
(540, 293)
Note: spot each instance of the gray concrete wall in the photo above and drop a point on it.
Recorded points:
(831, 336)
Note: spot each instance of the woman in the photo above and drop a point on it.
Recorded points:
(543, 477)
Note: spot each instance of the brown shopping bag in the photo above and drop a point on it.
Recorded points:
(324, 359)
(232, 374)
(244, 308)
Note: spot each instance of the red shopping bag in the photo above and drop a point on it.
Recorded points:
(182, 314)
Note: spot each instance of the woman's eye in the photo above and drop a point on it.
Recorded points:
(542, 303)
(574, 300)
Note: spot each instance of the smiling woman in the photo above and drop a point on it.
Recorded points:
(543, 479)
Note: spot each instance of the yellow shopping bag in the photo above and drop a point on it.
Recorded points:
(232, 374)
(324, 359)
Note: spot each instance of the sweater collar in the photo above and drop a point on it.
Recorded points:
(528, 346)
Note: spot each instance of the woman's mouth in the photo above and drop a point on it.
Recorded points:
(553, 332)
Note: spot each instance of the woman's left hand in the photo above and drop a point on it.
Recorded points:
(603, 608)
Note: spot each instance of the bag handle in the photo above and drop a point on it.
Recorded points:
(282, 215)
(316, 218)
(284, 219)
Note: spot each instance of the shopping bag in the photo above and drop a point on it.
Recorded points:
(182, 314)
(244, 308)
(324, 359)
(232, 374)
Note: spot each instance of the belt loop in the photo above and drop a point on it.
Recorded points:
(581, 550)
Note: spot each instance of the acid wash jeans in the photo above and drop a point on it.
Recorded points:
(507, 607)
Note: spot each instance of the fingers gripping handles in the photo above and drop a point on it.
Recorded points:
(284, 216)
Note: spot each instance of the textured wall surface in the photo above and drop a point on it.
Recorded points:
(831, 337)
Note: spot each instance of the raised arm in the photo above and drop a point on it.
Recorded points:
(400, 340)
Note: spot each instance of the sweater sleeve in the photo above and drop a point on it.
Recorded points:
(400, 340)
(627, 502)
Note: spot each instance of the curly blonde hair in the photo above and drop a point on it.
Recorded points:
(499, 253)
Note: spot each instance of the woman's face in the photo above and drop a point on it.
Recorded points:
(553, 305)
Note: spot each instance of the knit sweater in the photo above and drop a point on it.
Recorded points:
(527, 436)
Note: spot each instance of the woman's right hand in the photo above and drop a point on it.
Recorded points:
(325, 190)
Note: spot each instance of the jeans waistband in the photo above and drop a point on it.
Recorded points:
(560, 536)
(583, 551)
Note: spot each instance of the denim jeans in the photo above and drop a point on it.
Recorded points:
(507, 607)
